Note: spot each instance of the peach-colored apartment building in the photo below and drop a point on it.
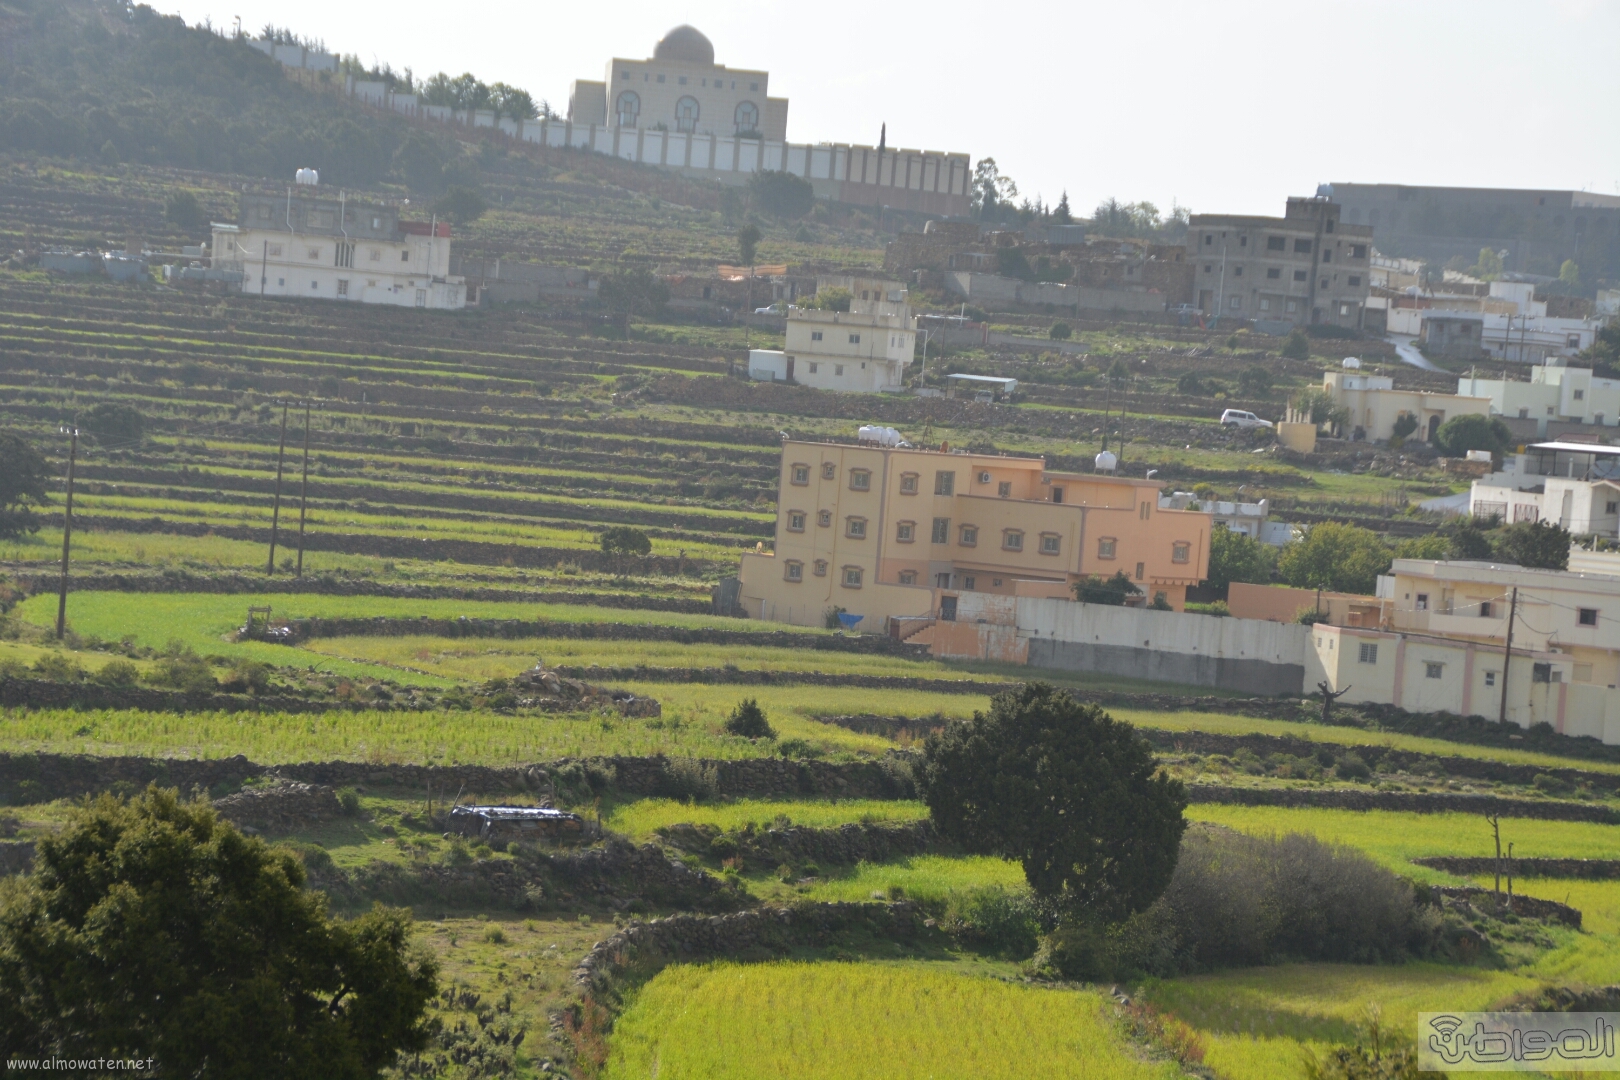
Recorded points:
(897, 532)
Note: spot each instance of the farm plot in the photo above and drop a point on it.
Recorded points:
(894, 1021)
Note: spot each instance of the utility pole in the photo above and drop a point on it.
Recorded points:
(275, 512)
(67, 531)
(1507, 656)
(1496, 831)
(303, 495)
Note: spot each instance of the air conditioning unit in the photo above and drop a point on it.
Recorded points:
(984, 478)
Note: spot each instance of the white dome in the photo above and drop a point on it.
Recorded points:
(1107, 462)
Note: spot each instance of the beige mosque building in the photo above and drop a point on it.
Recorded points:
(681, 89)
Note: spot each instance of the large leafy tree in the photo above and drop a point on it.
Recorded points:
(24, 482)
(151, 929)
(637, 291)
(1071, 793)
(781, 193)
(1343, 558)
(1235, 556)
(1461, 434)
(1540, 544)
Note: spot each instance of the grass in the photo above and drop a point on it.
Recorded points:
(638, 819)
(781, 1021)
(1394, 837)
(922, 877)
(479, 659)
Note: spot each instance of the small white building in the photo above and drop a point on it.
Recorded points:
(1553, 392)
(1252, 519)
(308, 245)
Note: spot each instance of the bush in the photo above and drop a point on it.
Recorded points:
(58, 668)
(1351, 767)
(1461, 434)
(1255, 381)
(834, 299)
(1061, 331)
(349, 799)
(748, 720)
(992, 919)
(829, 618)
(183, 670)
(1540, 544)
(119, 673)
(781, 193)
(689, 778)
(1236, 556)
(1344, 558)
(248, 676)
(1297, 347)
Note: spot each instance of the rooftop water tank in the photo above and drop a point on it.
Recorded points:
(308, 176)
(1107, 462)
(883, 436)
(1354, 363)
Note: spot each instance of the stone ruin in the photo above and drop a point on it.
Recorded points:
(279, 807)
(539, 688)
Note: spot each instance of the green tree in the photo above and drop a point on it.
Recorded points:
(636, 291)
(1235, 556)
(1098, 590)
(1255, 381)
(1010, 262)
(1335, 556)
(1061, 331)
(748, 720)
(781, 193)
(991, 191)
(1119, 372)
(1540, 544)
(1461, 434)
(462, 205)
(512, 103)
(1191, 385)
(1404, 425)
(748, 238)
(622, 540)
(1570, 274)
(1297, 347)
(1433, 546)
(1467, 539)
(152, 929)
(115, 422)
(1604, 353)
(24, 483)
(1489, 266)
(421, 163)
(834, 299)
(182, 208)
(1074, 795)
(1061, 214)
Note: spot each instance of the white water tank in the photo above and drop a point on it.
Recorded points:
(1107, 462)
(883, 436)
(307, 176)
(1353, 363)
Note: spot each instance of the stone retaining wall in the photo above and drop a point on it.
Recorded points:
(798, 844)
(1586, 869)
(1204, 742)
(280, 807)
(645, 947)
(1410, 801)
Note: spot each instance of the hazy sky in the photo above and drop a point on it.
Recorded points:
(1221, 106)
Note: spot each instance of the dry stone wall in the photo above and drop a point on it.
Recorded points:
(1410, 801)
(797, 844)
(1586, 869)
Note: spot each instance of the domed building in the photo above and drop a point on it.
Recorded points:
(681, 89)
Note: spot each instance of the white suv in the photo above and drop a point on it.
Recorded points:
(1239, 419)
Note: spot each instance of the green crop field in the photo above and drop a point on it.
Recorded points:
(884, 1021)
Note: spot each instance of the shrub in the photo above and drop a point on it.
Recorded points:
(1540, 544)
(1061, 331)
(829, 618)
(689, 778)
(494, 935)
(248, 676)
(1297, 347)
(781, 193)
(58, 668)
(119, 673)
(992, 919)
(349, 799)
(723, 847)
(748, 720)
(183, 670)
(1255, 381)
(1351, 767)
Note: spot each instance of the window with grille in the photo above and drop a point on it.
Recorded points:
(908, 483)
(970, 535)
(801, 474)
(1105, 547)
(1012, 539)
(905, 532)
(860, 480)
(855, 528)
(828, 470)
(795, 520)
(942, 531)
(944, 483)
(1181, 552)
(852, 577)
(1369, 653)
(1051, 543)
(793, 570)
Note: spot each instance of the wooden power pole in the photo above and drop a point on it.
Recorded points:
(303, 495)
(1507, 656)
(275, 512)
(67, 533)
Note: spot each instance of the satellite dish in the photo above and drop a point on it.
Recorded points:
(1107, 462)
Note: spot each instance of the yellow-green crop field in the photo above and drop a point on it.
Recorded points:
(640, 818)
(900, 1021)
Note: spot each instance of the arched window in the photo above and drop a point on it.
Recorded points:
(629, 108)
(747, 118)
(686, 114)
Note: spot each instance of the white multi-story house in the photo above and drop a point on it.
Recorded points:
(309, 245)
(863, 350)
(1572, 484)
(1554, 393)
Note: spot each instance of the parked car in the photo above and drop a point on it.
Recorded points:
(777, 308)
(1239, 419)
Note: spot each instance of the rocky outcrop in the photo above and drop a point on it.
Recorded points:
(280, 807)
(1585, 869)
(1411, 801)
(543, 689)
(797, 845)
